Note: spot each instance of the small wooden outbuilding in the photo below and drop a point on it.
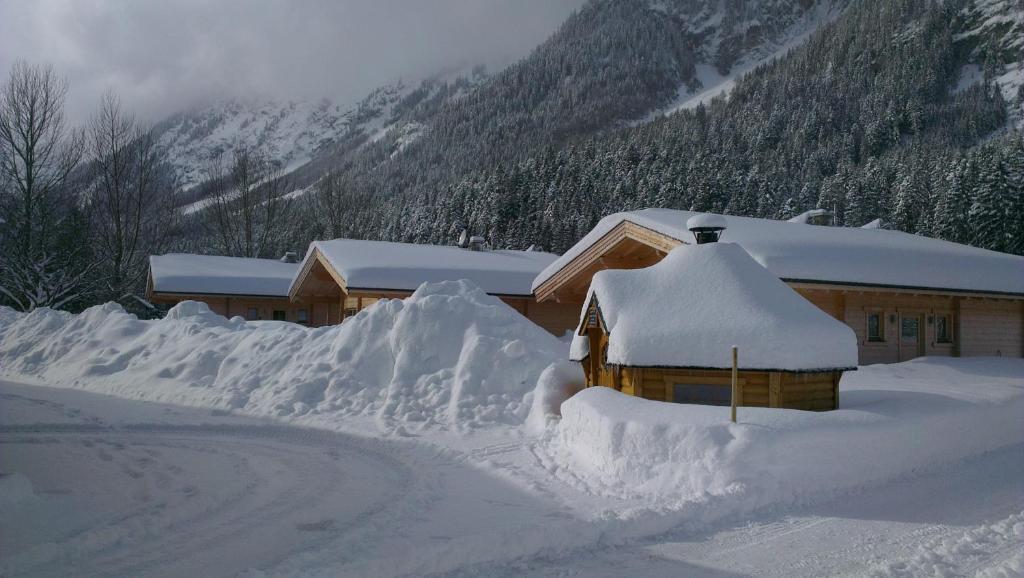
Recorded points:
(665, 333)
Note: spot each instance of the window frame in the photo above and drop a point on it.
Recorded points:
(279, 315)
(948, 323)
(302, 316)
(881, 326)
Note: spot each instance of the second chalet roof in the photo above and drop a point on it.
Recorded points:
(184, 273)
(381, 265)
(690, 308)
(842, 255)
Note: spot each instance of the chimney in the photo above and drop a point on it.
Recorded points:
(706, 227)
(476, 243)
(290, 257)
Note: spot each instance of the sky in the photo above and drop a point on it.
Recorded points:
(163, 56)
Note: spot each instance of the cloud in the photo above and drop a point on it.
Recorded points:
(162, 56)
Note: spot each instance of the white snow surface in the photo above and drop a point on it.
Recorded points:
(404, 266)
(893, 419)
(449, 356)
(691, 307)
(215, 274)
(799, 252)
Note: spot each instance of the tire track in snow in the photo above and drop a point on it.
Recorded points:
(143, 540)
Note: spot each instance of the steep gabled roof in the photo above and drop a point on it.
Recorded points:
(840, 255)
(690, 308)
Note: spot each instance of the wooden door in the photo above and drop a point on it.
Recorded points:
(911, 335)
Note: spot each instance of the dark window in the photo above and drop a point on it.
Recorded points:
(702, 394)
(302, 316)
(252, 314)
(909, 328)
(875, 327)
(280, 315)
(942, 329)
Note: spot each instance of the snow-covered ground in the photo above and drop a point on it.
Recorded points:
(319, 470)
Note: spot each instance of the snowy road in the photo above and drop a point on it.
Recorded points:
(127, 488)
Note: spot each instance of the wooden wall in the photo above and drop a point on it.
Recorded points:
(318, 313)
(992, 327)
(980, 326)
(806, 391)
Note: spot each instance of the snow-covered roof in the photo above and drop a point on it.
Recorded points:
(690, 308)
(799, 252)
(381, 265)
(214, 274)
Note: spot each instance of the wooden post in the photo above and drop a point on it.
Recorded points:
(735, 380)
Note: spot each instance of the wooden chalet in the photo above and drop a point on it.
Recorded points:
(338, 278)
(665, 333)
(903, 295)
(231, 286)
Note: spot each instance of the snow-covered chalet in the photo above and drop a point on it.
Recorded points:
(903, 295)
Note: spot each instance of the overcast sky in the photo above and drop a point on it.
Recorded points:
(163, 55)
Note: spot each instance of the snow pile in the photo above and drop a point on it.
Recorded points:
(559, 382)
(692, 306)
(895, 419)
(449, 355)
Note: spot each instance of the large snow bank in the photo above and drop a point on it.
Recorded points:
(449, 355)
(896, 418)
(688, 309)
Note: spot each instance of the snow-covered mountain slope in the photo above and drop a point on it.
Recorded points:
(736, 43)
(994, 33)
(290, 132)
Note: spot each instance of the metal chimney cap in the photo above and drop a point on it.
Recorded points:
(706, 227)
(706, 222)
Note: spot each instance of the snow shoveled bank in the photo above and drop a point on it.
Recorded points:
(894, 419)
(449, 355)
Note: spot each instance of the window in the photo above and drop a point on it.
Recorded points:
(909, 327)
(302, 316)
(280, 315)
(703, 394)
(876, 331)
(592, 318)
(944, 328)
(252, 314)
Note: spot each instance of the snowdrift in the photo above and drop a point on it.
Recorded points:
(896, 419)
(449, 355)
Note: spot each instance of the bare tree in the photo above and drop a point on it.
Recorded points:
(131, 203)
(329, 203)
(38, 153)
(249, 210)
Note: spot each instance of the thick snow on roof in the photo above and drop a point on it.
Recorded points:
(406, 266)
(213, 274)
(795, 251)
(690, 308)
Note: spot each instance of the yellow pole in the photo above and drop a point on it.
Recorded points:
(735, 381)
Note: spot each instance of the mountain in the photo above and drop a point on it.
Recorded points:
(868, 107)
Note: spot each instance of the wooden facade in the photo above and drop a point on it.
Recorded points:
(813, 391)
(319, 283)
(911, 322)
